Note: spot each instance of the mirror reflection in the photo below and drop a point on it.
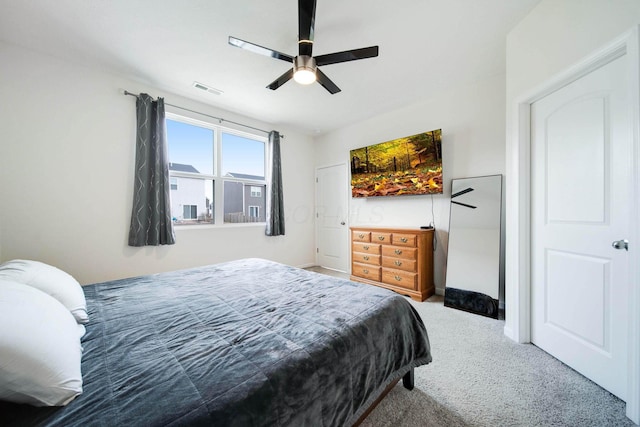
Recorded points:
(473, 260)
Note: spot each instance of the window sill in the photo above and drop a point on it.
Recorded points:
(214, 226)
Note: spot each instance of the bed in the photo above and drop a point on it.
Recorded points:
(243, 343)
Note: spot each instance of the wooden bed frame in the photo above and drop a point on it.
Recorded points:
(407, 382)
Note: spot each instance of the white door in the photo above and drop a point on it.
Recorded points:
(581, 178)
(332, 235)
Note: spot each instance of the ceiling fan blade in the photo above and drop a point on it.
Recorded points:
(326, 82)
(347, 55)
(306, 22)
(252, 47)
(281, 80)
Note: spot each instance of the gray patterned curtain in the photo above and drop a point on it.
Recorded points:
(151, 214)
(275, 205)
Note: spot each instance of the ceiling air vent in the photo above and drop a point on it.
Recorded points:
(207, 88)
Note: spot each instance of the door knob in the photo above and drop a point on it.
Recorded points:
(342, 223)
(621, 244)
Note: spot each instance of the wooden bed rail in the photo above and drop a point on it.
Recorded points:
(407, 382)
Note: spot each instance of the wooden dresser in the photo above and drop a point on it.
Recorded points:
(400, 259)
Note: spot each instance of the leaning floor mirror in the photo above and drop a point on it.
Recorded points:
(473, 279)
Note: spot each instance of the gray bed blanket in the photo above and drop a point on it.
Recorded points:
(243, 343)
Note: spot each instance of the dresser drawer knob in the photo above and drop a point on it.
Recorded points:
(365, 271)
(398, 263)
(398, 278)
(398, 251)
(381, 238)
(403, 239)
(366, 258)
(366, 248)
(361, 236)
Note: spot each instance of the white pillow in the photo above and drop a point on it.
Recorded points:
(49, 280)
(40, 349)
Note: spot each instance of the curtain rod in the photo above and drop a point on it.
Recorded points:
(220, 119)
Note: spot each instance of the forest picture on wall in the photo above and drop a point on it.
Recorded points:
(409, 165)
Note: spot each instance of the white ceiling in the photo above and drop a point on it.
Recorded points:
(426, 47)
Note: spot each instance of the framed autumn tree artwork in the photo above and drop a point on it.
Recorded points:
(409, 165)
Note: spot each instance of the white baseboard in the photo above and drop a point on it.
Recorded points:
(508, 332)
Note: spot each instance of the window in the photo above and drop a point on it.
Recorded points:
(219, 171)
(242, 157)
(190, 212)
(191, 160)
(242, 169)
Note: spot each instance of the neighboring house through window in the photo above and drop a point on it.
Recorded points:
(240, 196)
(190, 211)
(215, 173)
(187, 199)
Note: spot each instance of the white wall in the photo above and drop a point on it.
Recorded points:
(474, 266)
(67, 140)
(557, 34)
(551, 38)
(472, 123)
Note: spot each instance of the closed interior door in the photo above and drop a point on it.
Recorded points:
(331, 217)
(581, 150)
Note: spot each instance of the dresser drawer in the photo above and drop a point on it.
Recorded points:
(399, 252)
(400, 278)
(384, 238)
(361, 236)
(404, 240)
(368, 248)
(400, 259)
(366, 271)
(366, 258)
(399, 263)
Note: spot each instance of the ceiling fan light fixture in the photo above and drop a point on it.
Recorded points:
(304, 69)
(305, 66)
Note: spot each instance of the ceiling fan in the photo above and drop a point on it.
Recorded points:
(305, 66)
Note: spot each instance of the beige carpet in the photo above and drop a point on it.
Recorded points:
(479, 377)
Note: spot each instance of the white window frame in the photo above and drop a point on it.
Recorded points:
(173, 179)
(257, 209)
(190, 210)
(216, 177)
(256, 193)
